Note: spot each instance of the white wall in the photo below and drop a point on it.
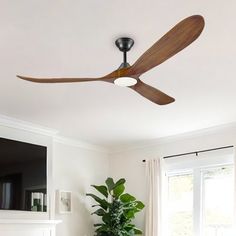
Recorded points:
(128, 163)
(75, 169)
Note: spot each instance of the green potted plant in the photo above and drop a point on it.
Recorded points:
(116, 209)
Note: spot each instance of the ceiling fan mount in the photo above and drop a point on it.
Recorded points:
(178, 38)
(124, 44)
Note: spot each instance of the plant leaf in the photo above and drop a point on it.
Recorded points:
(137, 231)
(129, 227)
(118, 190)
(106, 219)
(102, 189)
(110, 184)
(127, 198)
(140, 205)
(103, 203)
(129, 214)
(102, 228)
(99, 212)
(119, 182)
(97, 225)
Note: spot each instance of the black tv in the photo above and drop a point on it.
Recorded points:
(23, 176)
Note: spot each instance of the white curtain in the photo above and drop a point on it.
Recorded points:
(153, 211)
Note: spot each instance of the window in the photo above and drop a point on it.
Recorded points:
(199, 195)
(218, 195)
(180, 200)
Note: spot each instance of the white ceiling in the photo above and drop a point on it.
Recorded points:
(76, 38)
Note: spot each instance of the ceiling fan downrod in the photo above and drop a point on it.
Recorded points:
(124, 44)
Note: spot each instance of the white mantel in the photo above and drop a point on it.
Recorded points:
(25, 227)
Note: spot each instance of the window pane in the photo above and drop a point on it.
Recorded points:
(180, 205)
(218, 195)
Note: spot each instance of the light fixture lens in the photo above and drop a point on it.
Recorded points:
(125, 81)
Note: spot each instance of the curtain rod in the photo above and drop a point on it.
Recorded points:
(196, 152)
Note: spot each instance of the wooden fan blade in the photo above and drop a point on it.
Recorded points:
(107, 78)
(179, 37)
(152, 94)
(57, 80)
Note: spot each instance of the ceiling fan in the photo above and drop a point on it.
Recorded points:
(179, 37)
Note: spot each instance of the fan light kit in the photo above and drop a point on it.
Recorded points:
(125, 81)
(179, 37)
